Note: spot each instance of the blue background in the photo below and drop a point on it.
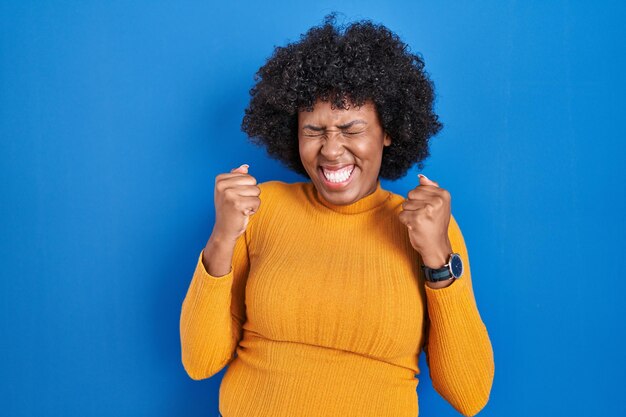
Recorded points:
(116, 117)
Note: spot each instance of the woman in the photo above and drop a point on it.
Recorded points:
(321, 295)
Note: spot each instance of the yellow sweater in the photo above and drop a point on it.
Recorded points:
(325, 313)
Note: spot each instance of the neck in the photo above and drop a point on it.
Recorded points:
(371, 201)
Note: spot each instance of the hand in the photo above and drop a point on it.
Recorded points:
(426, 214)
(236, 199)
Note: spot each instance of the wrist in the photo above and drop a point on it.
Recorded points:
(437, 258)
(221, 240)
(217, 257)
(446, 274)
(435, 262)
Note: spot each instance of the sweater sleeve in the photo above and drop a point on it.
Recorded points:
(458, 349)
(213, 313)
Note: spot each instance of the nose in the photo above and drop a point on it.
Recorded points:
(332, 147)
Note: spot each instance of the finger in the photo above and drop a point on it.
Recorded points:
(405, 219)
(425, 181)
(247, 190)
(235, 173)
(234, 180)
(242, 169)
(249, 205)
(414, 204)
(423, 192)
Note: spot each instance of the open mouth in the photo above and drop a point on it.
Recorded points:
(338, 178)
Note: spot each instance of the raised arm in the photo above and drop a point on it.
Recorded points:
(213, 311)
(458, 350)
(212, 315)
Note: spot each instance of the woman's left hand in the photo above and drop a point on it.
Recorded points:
(426, 214)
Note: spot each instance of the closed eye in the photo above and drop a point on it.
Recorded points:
(316, 135)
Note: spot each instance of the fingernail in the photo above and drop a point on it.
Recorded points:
(422, 175)
(245, 165)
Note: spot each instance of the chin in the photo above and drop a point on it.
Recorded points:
(341, 197)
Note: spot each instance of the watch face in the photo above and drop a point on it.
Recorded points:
(456, 264)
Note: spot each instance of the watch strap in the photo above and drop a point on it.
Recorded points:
(452, 269)
(437, 274)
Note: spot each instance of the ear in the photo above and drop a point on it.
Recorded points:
(387, 140)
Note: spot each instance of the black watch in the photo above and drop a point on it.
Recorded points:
(453, 269)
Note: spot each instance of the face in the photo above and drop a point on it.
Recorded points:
(342, 150)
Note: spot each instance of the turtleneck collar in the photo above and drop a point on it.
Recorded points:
(370, 201)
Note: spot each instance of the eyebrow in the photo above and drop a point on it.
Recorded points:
(344, 126)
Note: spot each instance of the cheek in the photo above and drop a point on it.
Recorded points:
(302, 147)
(366, 152)
(307, 151)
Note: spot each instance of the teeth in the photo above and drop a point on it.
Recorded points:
(338, 176)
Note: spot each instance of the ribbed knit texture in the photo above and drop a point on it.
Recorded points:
(325, 312)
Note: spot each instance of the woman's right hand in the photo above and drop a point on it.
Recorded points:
(236, 199)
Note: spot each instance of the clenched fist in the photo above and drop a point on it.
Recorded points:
(236, 199)
(426, 214)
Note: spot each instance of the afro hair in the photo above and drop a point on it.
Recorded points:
(367, 62)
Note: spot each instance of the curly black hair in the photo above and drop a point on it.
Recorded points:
(366, 62)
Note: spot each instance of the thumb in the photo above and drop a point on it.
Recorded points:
(242, 169)
(425, 181)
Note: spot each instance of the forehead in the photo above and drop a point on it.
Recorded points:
(323, 112)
